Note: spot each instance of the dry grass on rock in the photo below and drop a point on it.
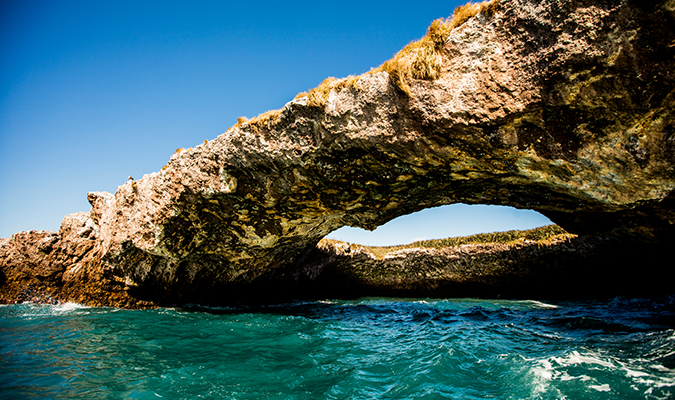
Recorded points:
(421, 59)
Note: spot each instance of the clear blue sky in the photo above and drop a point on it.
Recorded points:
(92, 92)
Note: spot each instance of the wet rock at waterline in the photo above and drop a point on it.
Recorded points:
(48, 267)
(564, 107)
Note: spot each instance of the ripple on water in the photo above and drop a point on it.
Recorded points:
(367, 348)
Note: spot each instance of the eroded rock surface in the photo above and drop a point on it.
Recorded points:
(569, 267)
(564, 107)
(50, 267)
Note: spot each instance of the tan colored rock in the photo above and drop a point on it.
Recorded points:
(48, 267)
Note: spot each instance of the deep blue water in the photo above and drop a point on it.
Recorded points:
(374, 348)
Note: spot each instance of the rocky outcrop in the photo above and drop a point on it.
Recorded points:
(567, 267)
(50, 267)
(564, 107)
(46, 267)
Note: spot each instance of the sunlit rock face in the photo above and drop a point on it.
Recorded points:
(48, 267)
(564, 107)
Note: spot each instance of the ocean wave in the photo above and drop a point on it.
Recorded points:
(334, 349)
(575, 370)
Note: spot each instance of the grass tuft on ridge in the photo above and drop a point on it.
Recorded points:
(421, 59)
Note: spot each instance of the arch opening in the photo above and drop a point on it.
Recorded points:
(442, 222)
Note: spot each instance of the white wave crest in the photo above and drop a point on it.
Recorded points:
(66, 307)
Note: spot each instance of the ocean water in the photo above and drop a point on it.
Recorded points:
(373, 348)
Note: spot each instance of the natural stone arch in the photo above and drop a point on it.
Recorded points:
(531, 109)
(570, 115)
(565, 108)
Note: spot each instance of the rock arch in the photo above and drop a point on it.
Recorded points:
(565, 108)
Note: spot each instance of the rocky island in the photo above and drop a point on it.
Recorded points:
(564, 107)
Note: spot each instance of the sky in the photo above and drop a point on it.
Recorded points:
(92, 92)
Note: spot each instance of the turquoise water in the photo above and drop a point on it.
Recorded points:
(374, 348)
